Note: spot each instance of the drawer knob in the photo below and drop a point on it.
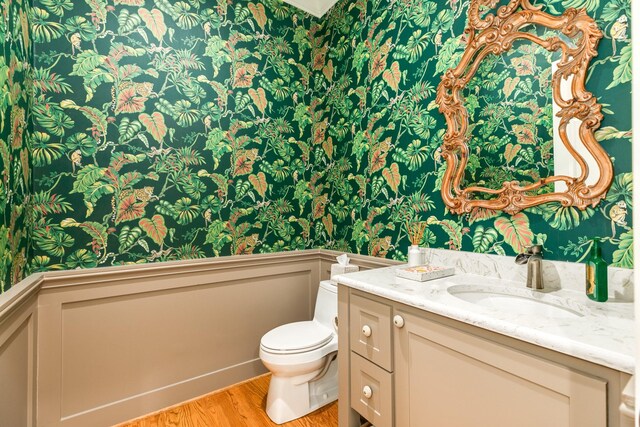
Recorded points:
(366, 331)
(398, 321)
(367, 392)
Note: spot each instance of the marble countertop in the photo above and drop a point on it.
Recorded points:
(602, 333)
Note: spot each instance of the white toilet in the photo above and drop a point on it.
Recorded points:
(302, 358)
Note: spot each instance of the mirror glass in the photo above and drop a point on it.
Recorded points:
(510, 133)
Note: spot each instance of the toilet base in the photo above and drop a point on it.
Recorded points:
(294, 397)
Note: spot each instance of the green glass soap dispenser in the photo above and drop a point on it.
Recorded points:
(596, 269)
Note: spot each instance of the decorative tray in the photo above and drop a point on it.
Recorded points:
(422, 273)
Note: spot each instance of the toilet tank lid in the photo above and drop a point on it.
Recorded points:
(329, 285)
(296, 337)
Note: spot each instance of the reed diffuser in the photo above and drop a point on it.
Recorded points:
(415, 231)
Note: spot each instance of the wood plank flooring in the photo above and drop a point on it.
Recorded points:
(241, 405)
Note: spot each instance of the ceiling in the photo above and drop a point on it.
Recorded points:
(316, 8)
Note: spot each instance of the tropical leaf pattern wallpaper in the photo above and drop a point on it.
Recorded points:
(172, 130)
(15, 113)
(165, 130)
(386, 59)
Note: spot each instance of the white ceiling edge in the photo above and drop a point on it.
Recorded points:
(316, 8)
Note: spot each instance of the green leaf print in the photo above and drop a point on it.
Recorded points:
(97, 118)
(86, 62)
(565, 218)
(128, 129)
(484, 238)
(450, 54)
(622, 72)
(42, 29)
(96, 231)
(82, 258)
(623, 256)
(57, 7)
(128, 22)
(218, 235)
(621, 189)
(87, 176)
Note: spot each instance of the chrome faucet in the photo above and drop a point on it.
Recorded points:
(533, 259)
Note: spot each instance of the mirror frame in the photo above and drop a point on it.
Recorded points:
(495, 34)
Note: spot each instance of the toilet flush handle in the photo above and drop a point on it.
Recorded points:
(366, 331)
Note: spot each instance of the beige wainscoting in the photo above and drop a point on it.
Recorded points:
(18, 354)
(112, 344)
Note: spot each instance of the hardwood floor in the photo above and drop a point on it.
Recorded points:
(241, 405)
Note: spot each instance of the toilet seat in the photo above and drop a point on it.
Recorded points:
(298, 337)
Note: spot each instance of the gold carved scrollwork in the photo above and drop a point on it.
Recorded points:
(495, 34)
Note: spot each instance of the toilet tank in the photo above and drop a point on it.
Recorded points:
(326, 304)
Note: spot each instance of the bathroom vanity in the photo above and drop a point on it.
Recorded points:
(474, 351)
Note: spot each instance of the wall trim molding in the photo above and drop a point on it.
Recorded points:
(181, 390)
(19, 294)
(35, 283)
(115, 274)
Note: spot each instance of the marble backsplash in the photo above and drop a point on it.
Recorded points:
(556, 274)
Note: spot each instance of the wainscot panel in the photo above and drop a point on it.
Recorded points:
(18, 312)
(116, 343)
(142, 339)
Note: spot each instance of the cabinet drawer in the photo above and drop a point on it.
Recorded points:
(371, 391)
(370, 330)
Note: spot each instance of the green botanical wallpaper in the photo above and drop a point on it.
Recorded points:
(386, 58)
(15, 163)
(161, 130)
(509, 102)
(172, 130)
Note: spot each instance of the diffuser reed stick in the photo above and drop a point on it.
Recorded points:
(416, 231)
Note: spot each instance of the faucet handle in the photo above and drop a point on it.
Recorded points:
(535, 249)
(523, 258)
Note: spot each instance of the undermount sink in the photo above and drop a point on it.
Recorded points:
(519, 301)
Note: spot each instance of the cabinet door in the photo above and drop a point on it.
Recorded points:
(446, 377)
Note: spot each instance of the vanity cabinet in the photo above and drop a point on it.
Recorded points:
(405, 367)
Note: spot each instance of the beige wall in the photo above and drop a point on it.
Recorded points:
(117, 343)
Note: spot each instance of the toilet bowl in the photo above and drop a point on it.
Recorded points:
(302, 359)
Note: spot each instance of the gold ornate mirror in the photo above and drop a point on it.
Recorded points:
(568, 43)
